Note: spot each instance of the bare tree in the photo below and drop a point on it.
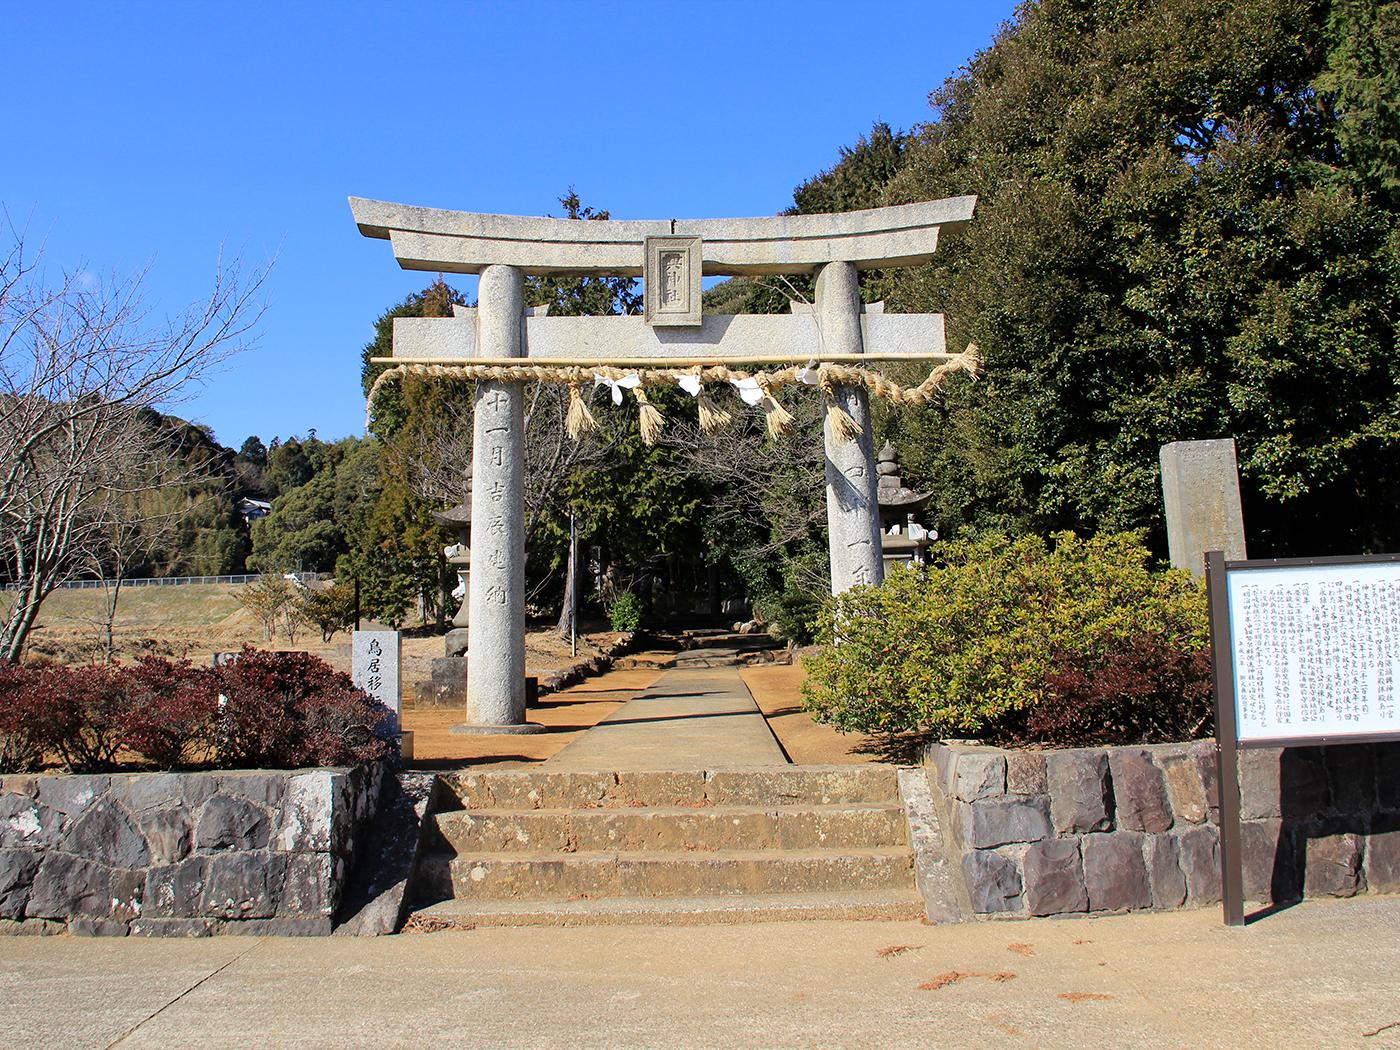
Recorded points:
(81, 367)
(127, 534)
(139, 514)
(269, 599)
(777, 484)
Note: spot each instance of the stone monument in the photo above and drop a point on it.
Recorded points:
(1201, 492)
(502, 344)
(374, 662)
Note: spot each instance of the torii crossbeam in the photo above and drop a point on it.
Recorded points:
(671, 255)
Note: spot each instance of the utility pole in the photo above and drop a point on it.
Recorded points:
(573, 584)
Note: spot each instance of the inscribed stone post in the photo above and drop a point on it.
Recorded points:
(1201, 492)
(496, 682)
(852, 507)
(374, 661)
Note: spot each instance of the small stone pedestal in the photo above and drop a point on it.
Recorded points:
(520, 729)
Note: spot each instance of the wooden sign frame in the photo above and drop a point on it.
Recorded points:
(1228, 743)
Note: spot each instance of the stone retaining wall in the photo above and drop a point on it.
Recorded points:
(1123, 828)
(181, 854)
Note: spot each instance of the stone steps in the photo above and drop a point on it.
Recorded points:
(644, 662)
(693, 658)
(693, 640)
(706, 649)
(558, 847)
(849, 905)
(672, 828)
(714, 657)
(741, 786)
(565, 876)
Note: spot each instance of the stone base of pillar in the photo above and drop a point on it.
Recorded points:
(488, 730)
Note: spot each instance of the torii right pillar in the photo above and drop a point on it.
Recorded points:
(852, 506)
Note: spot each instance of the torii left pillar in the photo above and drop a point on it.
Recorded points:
(852, 501)
(496, 589)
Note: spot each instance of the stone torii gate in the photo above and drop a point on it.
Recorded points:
(671, 255)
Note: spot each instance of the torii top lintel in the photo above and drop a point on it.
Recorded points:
(467, 242)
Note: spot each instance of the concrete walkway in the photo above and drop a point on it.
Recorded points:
(1323, 974)
(689, 719)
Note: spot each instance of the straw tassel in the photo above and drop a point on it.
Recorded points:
(649, 418)
(776, 418)
(580, 420)
(843, 427)
(712, 417)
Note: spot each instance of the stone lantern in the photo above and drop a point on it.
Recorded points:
(459, 556)
(903, 540)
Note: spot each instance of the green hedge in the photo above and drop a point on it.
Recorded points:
(972, 647)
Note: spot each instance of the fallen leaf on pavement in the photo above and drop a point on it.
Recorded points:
(897, 949)
(942, 980)
(954, 976)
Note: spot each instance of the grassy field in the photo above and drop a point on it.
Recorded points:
(173, 621)
(198, 620)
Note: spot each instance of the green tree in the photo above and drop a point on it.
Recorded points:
(395, 546)
(393, 405)
(330, 609)
(253, 451)
(314, 523)
(1176, 238)
(1362, 80)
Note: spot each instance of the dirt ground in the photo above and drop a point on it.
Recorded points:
(1322, 974)
(565, 715)
(777, 689)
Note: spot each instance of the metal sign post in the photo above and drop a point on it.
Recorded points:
(1306, 652)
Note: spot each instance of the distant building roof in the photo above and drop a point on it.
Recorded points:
(253, 509)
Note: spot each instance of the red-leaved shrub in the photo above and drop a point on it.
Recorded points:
(170, 711)
(265, 709)
(286, 710)
(21, 748)
(1150, 691)
(79, 712)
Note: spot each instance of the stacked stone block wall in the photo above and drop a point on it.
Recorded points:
(181, 854)
(1127, 828)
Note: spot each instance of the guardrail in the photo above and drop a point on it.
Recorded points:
(169, 581)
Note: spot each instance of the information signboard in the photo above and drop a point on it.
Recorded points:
(1306, 652)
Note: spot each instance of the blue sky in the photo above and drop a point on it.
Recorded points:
(145, 135)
